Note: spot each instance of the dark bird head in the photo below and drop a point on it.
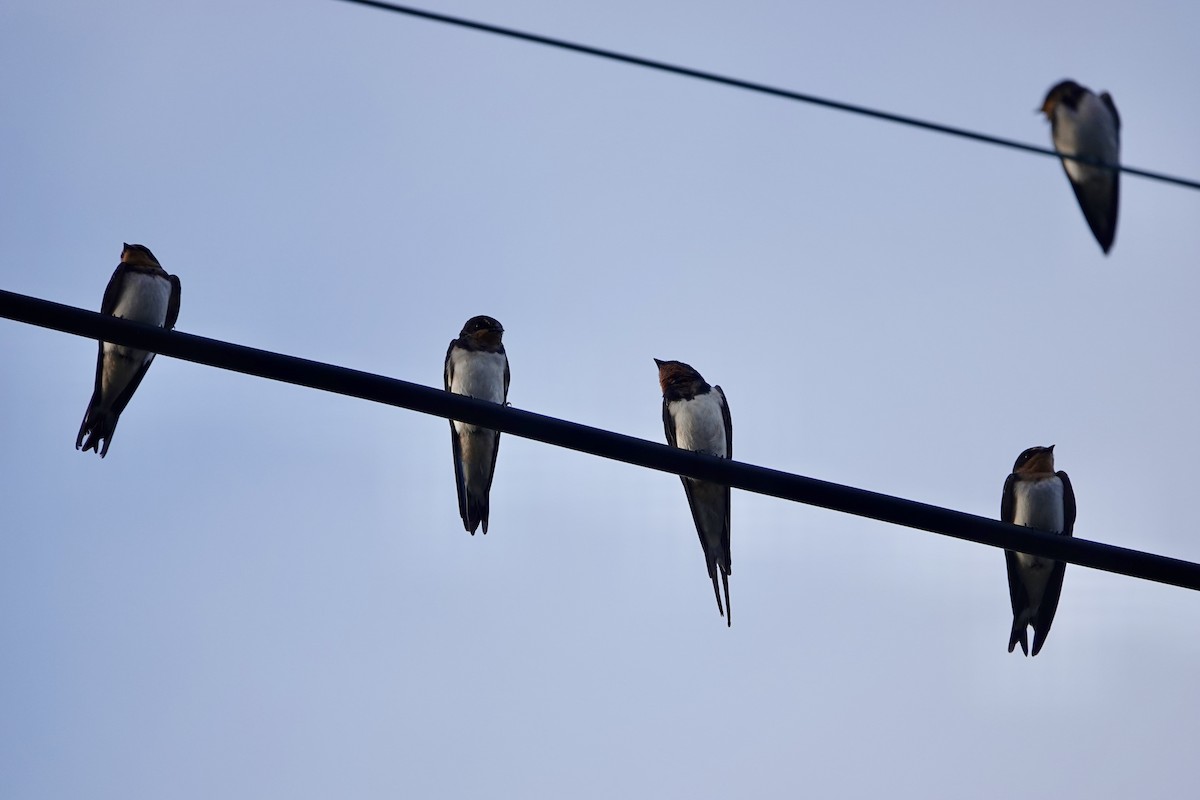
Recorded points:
(485, 331)
(1068, 92)
(1035, 459)
(138, 255)
(678, 379)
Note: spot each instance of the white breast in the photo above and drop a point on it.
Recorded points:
(1039, 504)
(145, 298)
(1088, 130)
(479, 375)
(699, 424)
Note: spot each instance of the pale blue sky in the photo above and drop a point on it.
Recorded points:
(266, 591)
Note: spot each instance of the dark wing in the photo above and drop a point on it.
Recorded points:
(1045, 615)
(1008, 509)
(1098, 200)
(460, 483)
(1068, 504)
(113, 291)
(727, 567)
(455, 446)
(1106, 98)
(728, 423)
(496, 436)
(668, 424)
(507, 375)
(728, 454)
(1016, 589)
(1116, 178)
(1041, 625)
(172, 303)
(448, 366)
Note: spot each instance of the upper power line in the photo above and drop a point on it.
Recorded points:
(595, 441)
(762, 88)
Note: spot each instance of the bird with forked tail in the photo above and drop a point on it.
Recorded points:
(1037, 497)
(140, 290)
(1083, 123)
(476, 366)
(696, 417)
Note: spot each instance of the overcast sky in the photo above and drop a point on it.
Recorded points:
(266, 591)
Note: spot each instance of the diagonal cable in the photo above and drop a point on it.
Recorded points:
(586, 439)
(761, 88)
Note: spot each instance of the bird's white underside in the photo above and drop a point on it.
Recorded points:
(479, 375)
(699, 424)
(145, 299)
(1037, 504)
(1088, 130)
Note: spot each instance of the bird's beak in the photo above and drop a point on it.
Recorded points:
(1051, 448)
(659, 363)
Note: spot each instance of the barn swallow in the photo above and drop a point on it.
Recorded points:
(476, 366)
(1084, 124)
(140, 290)
(1037, 497)
(696, 417)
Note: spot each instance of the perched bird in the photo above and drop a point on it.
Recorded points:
(140, 290)
(1084, 124)
(476, 366)
(1037, 497)
(696, 417)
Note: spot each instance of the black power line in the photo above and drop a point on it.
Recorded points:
(596, 441)
(762, 88)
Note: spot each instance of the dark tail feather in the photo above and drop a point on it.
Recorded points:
(1098, 199)
(712, 573)
(96, 425)
(476, 512)
(1019, 634)
(728, 607)
(1040, 632)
